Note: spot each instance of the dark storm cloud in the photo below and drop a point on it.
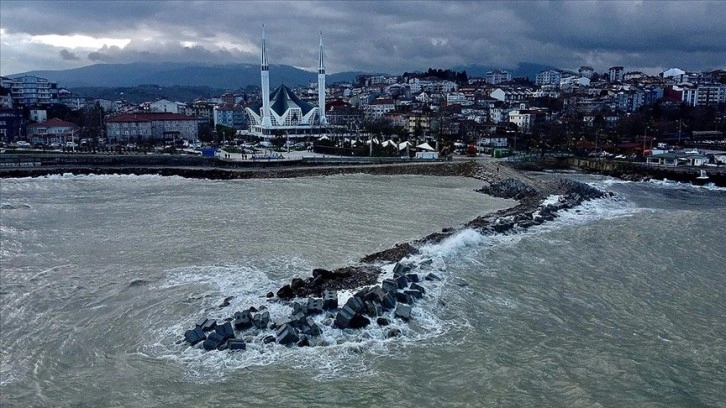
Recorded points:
(388, 36)
(68, 56)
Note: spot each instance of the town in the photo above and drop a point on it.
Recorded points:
(673, 118)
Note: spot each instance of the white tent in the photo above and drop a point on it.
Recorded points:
(375, 141)
(388, 143)
(323, 138)
(404, 145)
(425, 146)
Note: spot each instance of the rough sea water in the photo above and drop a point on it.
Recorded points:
(619, 302)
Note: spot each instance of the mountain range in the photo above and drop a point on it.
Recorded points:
(229, 76)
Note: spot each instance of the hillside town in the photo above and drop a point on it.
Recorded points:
(613, 113)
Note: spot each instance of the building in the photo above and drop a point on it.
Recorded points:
(11, 124)
(151, 128)
(550, 76)
(31, 90)
(283, 112)
(615, 74)
(497, 77)
(586, 71)
(52, 131)
(231, 116)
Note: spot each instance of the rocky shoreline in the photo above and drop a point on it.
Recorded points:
(395, 296)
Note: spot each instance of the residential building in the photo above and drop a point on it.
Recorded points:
(586, 71)
(550, 76)
(497, 77)
(31, 90)
(52, 131)
(615, 74)
(11, 124)
(151, 128)
(230, 116)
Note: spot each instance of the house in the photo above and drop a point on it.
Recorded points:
(51, 131)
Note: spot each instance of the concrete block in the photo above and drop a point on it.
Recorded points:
(225, 330)
(344, 316)
(389, 285)
(194, 336)
(269, 339)
(389, 301)
(355, 303)
(432, 277)
(403, 312)
(315, 306)
(330, 299)
(287, 335)
(214, 341)
(414, 294)
(402, 297)
(402, 282)
(236, 344)
(261, 320)
(375, 294)
(242, 320)
(400, 269)
(416, 286)
(412, 277)
(358, 321)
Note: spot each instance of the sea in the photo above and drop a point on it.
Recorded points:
(620, 302)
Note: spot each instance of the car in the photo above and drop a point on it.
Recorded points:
(23, 144)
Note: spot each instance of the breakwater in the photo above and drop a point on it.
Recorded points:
(384, 293)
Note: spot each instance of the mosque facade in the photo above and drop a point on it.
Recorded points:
(281, 112)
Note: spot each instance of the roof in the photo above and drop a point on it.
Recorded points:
(283, 98)
(55, 122)
(148, 117)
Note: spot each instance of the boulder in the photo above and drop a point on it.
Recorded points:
(214, 341)
(194, 335)
(296, 283)
(225, 330)
(269, 339)
(322, 273)
(236, 344)
(403, 312)
(225, 302)
(287, 334)
(330, 299)
(286, 292)
(393, 332)
(382, 321)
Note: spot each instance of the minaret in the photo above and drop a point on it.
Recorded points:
(265, 76)
(321, 85)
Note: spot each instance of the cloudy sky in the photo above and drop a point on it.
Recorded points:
(381, 36)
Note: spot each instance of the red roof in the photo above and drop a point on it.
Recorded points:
(55, 122)
(148, 117)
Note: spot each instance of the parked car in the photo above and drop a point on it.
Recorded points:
(23, 144)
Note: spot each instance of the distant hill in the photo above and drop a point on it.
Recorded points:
(229, 76)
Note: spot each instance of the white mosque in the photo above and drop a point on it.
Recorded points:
(282, 112)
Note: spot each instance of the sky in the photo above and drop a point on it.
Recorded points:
(370, 36)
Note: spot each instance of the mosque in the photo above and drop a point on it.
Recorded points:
(282, 112)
